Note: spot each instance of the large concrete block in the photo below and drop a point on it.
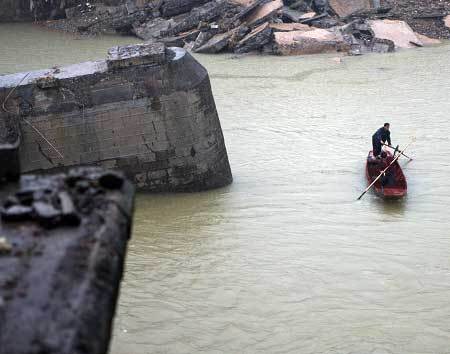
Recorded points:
(143, 100)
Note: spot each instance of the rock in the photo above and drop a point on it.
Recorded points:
(153, 29)
(447, 21)
(291, 15)
(255, 40)
(5, 246)
(345, 8)
(216, 44)
(263, 13)
(427, 41)
(287, 27)
(16, 213)
(397, 31)
(46, 214)
(249, 8)
(309, 42)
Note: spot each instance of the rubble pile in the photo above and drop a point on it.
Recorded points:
(283, 27)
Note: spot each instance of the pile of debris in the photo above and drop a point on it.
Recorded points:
(284, 27)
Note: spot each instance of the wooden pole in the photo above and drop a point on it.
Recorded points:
(384, 171)
(410, 158)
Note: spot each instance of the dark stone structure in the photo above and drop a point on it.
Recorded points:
(147, 110)
(62, 247)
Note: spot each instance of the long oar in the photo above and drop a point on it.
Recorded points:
(384, 171)
(393, 148)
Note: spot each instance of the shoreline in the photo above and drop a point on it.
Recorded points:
(274, 27)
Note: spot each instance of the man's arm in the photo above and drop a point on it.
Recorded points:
(389, 138)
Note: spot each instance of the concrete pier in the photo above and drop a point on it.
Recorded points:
(147, 110)
(62, 247)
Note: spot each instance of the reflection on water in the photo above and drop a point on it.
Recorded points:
(286, 260)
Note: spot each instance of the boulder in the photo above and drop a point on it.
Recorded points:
(397, 31)
(287, 27)
(345, 8)
(309, 42)
(263, 12)
(255, 40)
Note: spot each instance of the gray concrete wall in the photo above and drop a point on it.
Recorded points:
(156, 120)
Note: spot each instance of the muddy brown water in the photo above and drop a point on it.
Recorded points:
(285, 260)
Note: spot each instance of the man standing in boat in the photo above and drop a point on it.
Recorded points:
(379, 138)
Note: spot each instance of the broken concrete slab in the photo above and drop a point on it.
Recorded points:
(216, 44)
(181, 39)
(447, 21)
(345, 8)
(397, 31)
(248, 9)
(153, 29)
(287, 27)
(309, 42)
(263, 13)
(291, 15)
(59, 281)
(204, 13)
(427, 41)
(255, 40)
(170, 8)
(136, 54)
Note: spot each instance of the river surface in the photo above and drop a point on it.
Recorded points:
(285, 260)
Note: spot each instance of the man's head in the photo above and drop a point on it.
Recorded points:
(386, 126)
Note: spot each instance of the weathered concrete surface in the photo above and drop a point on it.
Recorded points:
(397, 31)
(157, 121)
(308, 42)
(62, 249)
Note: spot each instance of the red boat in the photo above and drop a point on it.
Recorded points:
(393, 184)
